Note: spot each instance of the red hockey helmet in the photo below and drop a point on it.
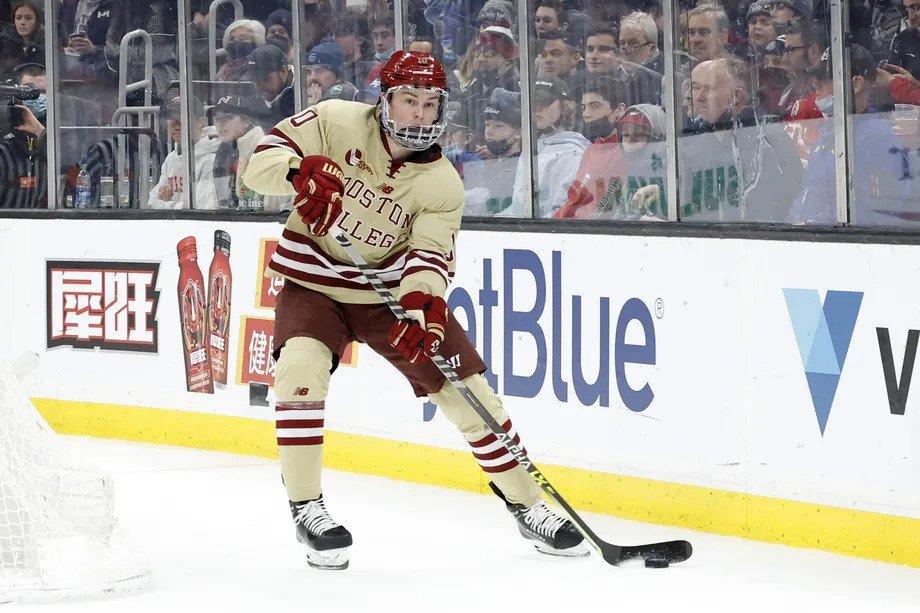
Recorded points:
(417, 70)
(412, 68)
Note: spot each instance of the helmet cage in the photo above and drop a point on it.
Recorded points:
(414, 137)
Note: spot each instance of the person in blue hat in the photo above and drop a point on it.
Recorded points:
(322, 69)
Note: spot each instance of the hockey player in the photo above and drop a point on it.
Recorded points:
(376, 174)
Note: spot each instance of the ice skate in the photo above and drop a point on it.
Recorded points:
(327, 540)
(551, 533)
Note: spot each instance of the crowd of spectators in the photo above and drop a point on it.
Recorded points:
(753, 83)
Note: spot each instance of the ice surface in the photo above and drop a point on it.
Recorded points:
(218, 536)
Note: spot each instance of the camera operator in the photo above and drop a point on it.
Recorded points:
(23, 159)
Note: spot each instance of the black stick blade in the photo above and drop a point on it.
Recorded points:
(672, 551)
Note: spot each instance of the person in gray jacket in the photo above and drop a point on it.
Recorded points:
(732, 165)
(559, 150)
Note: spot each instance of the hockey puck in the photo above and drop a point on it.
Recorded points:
(656, 563)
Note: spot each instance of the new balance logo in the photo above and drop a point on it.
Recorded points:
(823, 335)
(301, 391)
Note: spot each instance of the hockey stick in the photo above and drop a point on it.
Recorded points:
(670, 551)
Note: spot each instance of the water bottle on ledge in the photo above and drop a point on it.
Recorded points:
(83, 192)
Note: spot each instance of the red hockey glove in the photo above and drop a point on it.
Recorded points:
(411, 339)
(319, 185)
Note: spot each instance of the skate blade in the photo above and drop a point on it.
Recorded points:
(576, 551)
(330, 559)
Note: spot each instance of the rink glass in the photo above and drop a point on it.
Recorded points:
(125, 164)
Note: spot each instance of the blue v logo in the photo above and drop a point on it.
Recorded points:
(823, 334)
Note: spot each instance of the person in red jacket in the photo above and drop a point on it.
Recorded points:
(621, 174)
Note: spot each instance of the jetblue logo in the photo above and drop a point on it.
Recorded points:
(562, 339)
(823, 334)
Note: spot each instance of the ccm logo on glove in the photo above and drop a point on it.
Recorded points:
(319, 183)
(424, 331)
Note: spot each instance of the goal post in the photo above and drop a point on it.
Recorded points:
(58, 536)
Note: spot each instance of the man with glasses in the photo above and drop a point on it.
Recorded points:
(639, 41)
(802, 48)
(905, 48)
(639, 57)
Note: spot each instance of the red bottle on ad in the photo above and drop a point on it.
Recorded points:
(220, 284)
(193, 319)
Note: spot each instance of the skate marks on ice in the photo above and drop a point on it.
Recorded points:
(217, 534)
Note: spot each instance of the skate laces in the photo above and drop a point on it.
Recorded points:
(314, 516)
(543, 520)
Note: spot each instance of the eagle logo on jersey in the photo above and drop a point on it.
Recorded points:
(353, 157)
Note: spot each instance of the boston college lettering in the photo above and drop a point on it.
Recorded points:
(386, 212)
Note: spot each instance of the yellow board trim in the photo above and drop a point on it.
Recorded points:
(862, 534)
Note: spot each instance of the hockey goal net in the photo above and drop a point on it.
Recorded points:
(57, 522)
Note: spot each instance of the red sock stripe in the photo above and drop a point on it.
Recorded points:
(299, 423)
(490, 438)
(307, 440)
(500, 469)
(494, 455)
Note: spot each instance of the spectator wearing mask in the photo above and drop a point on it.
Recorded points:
(167, 193)
(881, 195)
(241, 38)
(23, 162)
(24, 39)
(489, 183)
(384, 40)
(733, 167)
(458, 144)
(549, 17)
(323, 69)
(73, 112)
(623, 176)
(905, 48)
(383, 37)
(267, 67)
(279, 32)
(559, 149)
